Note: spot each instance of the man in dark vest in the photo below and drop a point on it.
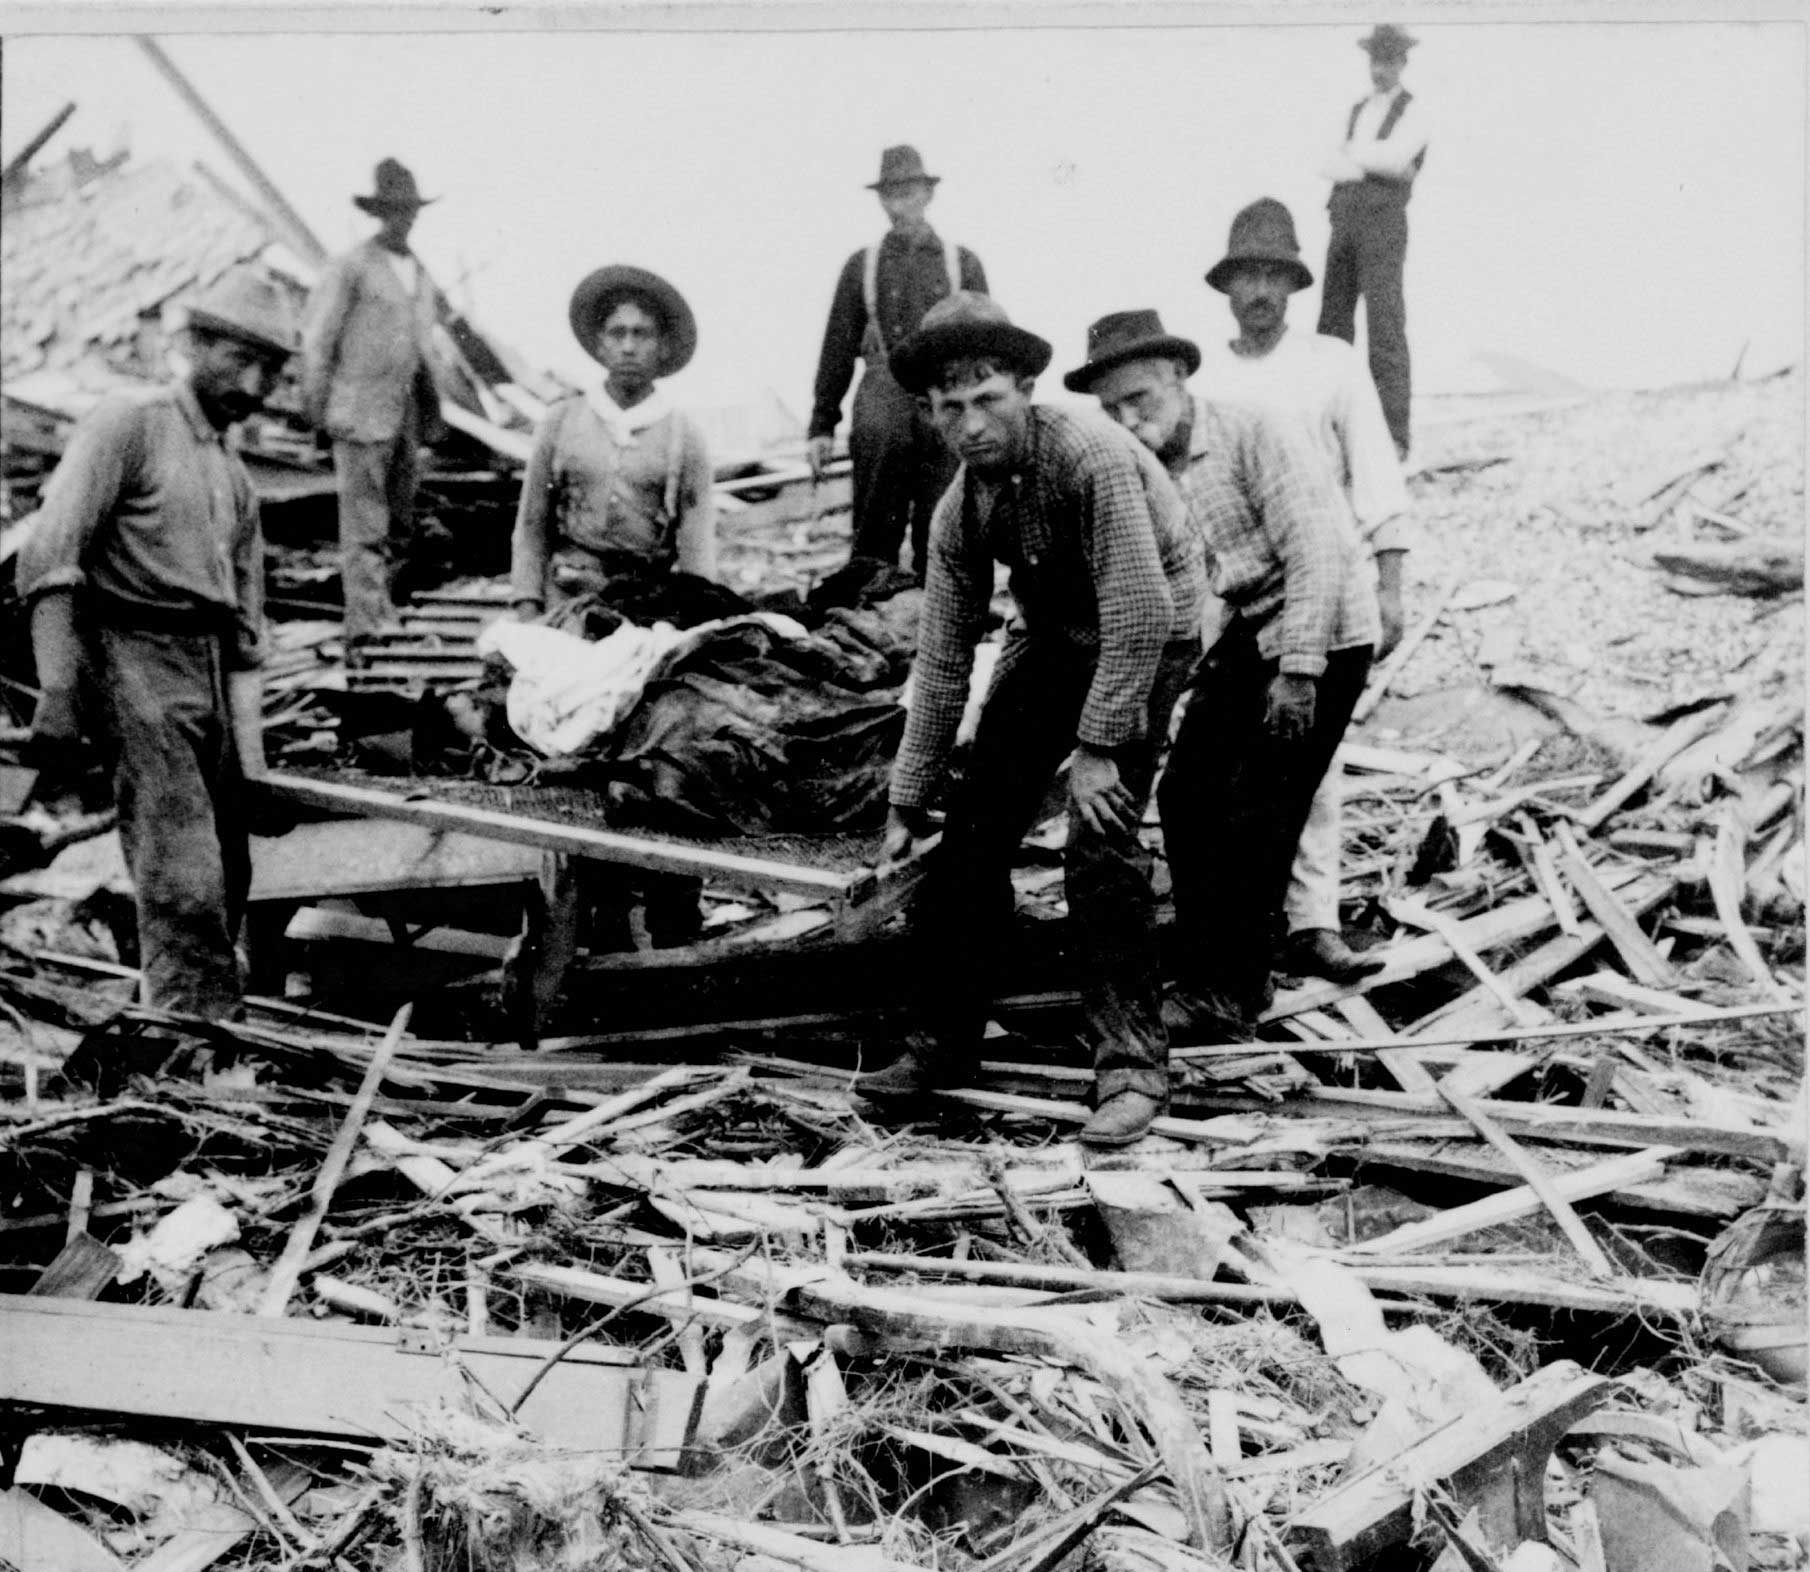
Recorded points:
(1373, 177)
(901, 465)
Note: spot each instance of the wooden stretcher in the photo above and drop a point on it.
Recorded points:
(857, 897)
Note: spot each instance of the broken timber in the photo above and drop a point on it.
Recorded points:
(330, 1378)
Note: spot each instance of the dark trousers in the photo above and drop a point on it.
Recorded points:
(964, 912)
(901, 467)
(165, 720)
(1365, 255)
(1233, 801)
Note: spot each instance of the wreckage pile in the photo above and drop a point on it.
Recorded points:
(1493, 1260)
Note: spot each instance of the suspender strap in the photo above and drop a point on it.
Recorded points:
(873, 341)
(1394, 113)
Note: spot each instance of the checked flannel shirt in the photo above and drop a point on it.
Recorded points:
(1101, 556)
(1280, 546)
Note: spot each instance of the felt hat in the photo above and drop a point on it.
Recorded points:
(246, 303)
(1129, 335)
(600, 292)
(1388, 42)
(966, 323)
(1262, 232)
(396, 190)
(899, 166)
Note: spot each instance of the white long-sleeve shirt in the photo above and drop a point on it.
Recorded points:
(1320, 382)
(1391, 156)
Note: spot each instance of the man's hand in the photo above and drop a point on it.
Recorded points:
(1390, 606)
(526, 610)
(1098, 797)
(904, 828)
(817, 453)
(1289, 714)
(56, 729)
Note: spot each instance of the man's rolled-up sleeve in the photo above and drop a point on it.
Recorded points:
(1136, 608)
(101, 454)
(957, 588)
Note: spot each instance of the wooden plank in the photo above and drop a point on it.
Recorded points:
(1538, 1180)
(37, 1538)
(212, 1531)
(1402, 1064)
(82, 1270)
(1385, 675)
(1634, 947)
(1670, 743)
(1418, 914)
(328, 1378)
(718, 867)
(1727, 884)
(1514, 1435)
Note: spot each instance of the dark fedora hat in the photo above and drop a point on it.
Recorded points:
(1388, 41)
(900, 166)
(1129, 335)
(600, 292)
(396, 190)
(964, 324)
(1262, 232)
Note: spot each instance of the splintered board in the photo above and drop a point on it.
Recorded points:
(331, 1378)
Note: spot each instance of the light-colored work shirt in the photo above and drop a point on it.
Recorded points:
(154, 522)
(1392, 156)
(1320, 381)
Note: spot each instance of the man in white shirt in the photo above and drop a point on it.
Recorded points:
(1373, 176)
(1318, 382)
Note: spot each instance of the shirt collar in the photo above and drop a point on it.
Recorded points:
(624, 423)
(928, 241)
(198, 422)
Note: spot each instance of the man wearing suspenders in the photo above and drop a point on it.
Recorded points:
(1373, 177)
(901, 466)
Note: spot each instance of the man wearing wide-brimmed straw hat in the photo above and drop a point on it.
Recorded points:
(900, 466)
(1319, 380)
(1274, 693)
(368, 383)
(1373, 175)
(617, 488)
(1108, 580)
(145, 577)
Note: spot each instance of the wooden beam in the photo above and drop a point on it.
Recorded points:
(1670, 743)
(329, 1378)
(1634, 947)
(35, 1535)
(634, 851)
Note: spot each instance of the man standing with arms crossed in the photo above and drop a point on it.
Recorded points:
(1273, 696)
(901, 466)
(368, 383)
(145, 578)
(1319, 381)
(1107, 578)
(1373, 176)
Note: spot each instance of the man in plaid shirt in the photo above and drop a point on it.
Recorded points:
(1108, 580)
(1274, 694)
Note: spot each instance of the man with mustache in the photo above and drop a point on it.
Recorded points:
(1318, 380)
(1107, 579)
(1274, 693)
(145, 578)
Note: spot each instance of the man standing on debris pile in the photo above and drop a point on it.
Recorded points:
(145, 577)
(1108, 581)
(368, 383)
(901, 467)
(1373, 176)
(1319, 380)
(1273, 696)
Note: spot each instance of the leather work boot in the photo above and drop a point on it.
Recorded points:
(1320, 952)
(907, 1079)
(1121, 1120)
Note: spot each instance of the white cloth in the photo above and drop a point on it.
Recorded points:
(1320, 382)
(1394, 154)
(406, 267)
(622, 424)
(567, 692)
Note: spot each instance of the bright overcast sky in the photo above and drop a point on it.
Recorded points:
(1622, 203)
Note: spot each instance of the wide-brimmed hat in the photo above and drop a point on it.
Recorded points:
(1129, 335)
(965, 324)
(246, 303)
(1262, 232)
(395, 191)
(1388, 42)
(900, 166)
(599, 293)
